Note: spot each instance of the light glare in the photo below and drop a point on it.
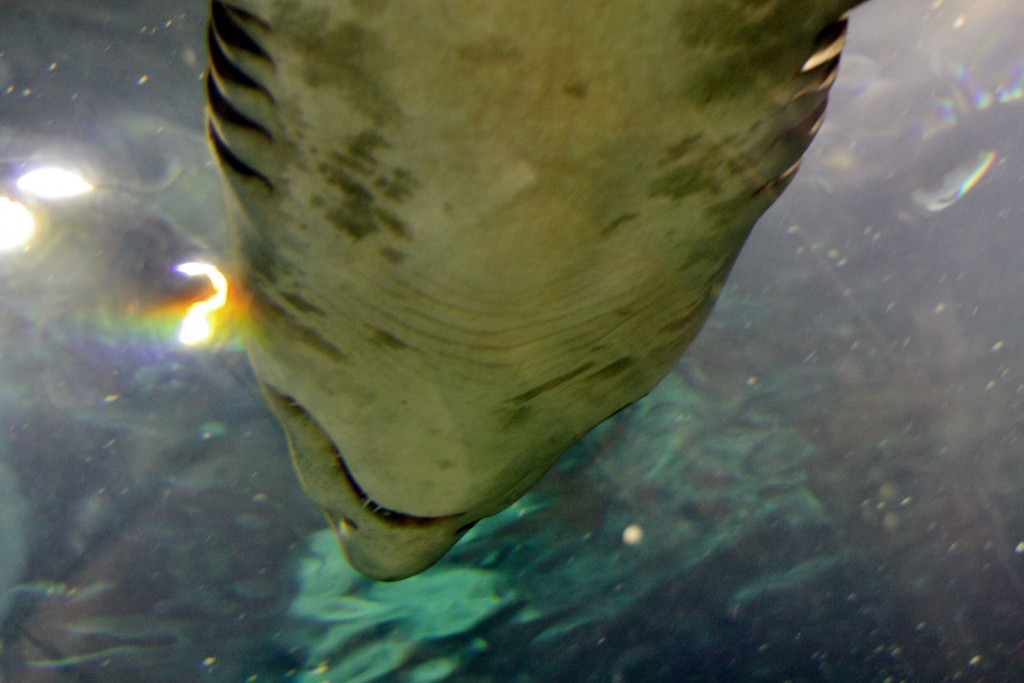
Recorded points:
(197, 327)
(17, 224)
(53, 183)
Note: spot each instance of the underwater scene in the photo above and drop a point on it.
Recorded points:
(829, 486)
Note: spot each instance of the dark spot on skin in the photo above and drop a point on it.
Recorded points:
(735, 213)
(259, 255)
(360, 156)
(359, 216)
(393, 255)
(613, 369)
(350, 57)
(392, 223)
(550, 384)
(575, 90)
(366, 143)
(517, 416)
(697, 165)
(750, 53)
(313, 339)
(710, 169)
(682, 181)
(300, 303)
(338, 176)
(354, 173)
(350, 162)
(680, 149)
(281, 316)
(624, 218)
(716, 254)
(677, 325)
(730, 58)
(398, 185)
(388, 340)
(356, 223)
(445, 465)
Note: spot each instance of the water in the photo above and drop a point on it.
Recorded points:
(827, 488)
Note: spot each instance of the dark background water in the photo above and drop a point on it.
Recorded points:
(828, 487)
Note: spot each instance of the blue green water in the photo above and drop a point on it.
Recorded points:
(827, 488)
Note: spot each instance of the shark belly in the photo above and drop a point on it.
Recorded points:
(466, 233)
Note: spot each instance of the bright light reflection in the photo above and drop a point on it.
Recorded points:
(956, 183)
(16, 224)
(53, 183)
(197, 326)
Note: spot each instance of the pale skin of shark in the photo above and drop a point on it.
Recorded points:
(468, 231)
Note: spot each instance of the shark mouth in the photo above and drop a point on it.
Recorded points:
(391, 517)
(306, 434)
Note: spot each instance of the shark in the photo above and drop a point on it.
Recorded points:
(465, 232)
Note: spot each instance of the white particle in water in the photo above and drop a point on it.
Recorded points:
(633, 534)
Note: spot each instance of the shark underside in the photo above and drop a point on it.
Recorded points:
(467, 232)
